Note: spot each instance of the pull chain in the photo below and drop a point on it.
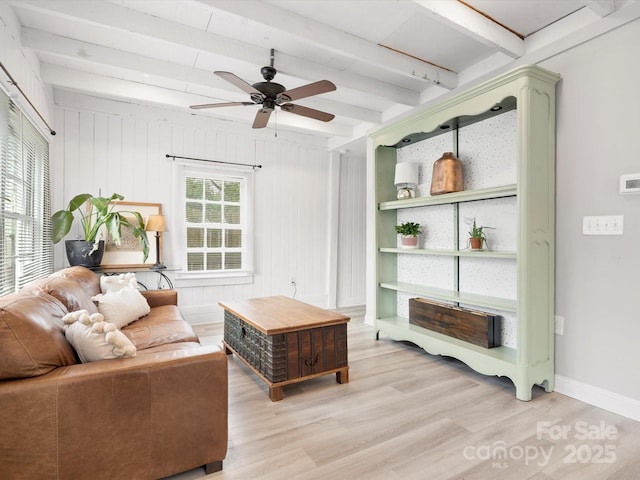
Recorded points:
(275, 132)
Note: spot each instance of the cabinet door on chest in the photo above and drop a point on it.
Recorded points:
(316, 350)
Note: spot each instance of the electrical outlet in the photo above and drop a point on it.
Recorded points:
(559, 325)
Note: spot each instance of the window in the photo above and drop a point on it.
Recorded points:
(26, 250)
(217, 228)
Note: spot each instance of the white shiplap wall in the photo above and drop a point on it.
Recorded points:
(351, 231)
(110, 147)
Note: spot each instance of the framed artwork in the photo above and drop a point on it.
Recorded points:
(129, 253)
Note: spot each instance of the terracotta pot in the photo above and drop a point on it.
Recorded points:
(475, 243)
(409, 242)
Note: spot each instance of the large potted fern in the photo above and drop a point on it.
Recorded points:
(96, 215)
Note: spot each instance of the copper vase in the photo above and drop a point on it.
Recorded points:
(447, 175)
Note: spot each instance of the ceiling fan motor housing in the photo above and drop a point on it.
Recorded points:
(268, 89)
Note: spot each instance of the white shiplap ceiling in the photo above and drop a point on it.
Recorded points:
(385, 56)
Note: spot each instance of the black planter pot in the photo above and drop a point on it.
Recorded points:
(78, 253)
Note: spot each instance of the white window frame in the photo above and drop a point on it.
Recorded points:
(32, 207)
(185, 278)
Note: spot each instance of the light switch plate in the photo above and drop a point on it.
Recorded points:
(603, 225)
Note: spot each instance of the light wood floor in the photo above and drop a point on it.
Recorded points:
(408, 415)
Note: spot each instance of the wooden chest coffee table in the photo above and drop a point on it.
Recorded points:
(285, 341)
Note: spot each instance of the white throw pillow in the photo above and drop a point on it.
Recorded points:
(113, 283)
(122, 307)
(94, 339)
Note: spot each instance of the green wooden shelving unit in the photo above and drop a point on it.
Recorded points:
(530, 91)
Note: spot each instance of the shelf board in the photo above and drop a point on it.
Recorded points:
(485, 301)
(438, 343)
(450, 253)
(455, 197)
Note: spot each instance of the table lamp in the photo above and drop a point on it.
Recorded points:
(406, 179)
(156, 223)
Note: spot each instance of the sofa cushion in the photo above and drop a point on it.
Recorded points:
(94, 339)
(113, 283)
(32, 342)
(161, 326)
(157, 298)
(122, 307)
(70, 292)
(87, 279)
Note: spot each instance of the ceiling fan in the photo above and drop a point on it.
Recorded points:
(271, 95)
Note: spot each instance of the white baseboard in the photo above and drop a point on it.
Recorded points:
(351, 311)
(613, 402)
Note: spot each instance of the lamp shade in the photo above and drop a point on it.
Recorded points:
(406, 174)
(156, 223)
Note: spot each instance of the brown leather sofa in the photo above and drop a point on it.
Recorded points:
(161, 412)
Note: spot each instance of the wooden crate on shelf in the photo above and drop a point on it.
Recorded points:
(473, 326)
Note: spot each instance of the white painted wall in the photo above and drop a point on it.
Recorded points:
(110, 147)
(351, 230)
(597, 281)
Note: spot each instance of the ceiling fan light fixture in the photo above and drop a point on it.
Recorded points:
(268, 105)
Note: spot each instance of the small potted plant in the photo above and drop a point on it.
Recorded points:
(409, 232)
(95, 213)
(477, 238)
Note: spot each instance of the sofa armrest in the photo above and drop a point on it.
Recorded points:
(143, 417)
(156, 298)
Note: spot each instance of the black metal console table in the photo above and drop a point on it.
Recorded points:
(162, 276)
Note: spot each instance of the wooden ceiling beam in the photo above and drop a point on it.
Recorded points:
(340, 42)
(126, 20)
(474, 24)
(601, 7)
(139, 68)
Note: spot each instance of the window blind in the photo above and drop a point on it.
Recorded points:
(26, 250)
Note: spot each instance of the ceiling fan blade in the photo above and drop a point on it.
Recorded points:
(238, 82)
(315, 88)
(308, 112)
(216, 105)
(262, 118)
